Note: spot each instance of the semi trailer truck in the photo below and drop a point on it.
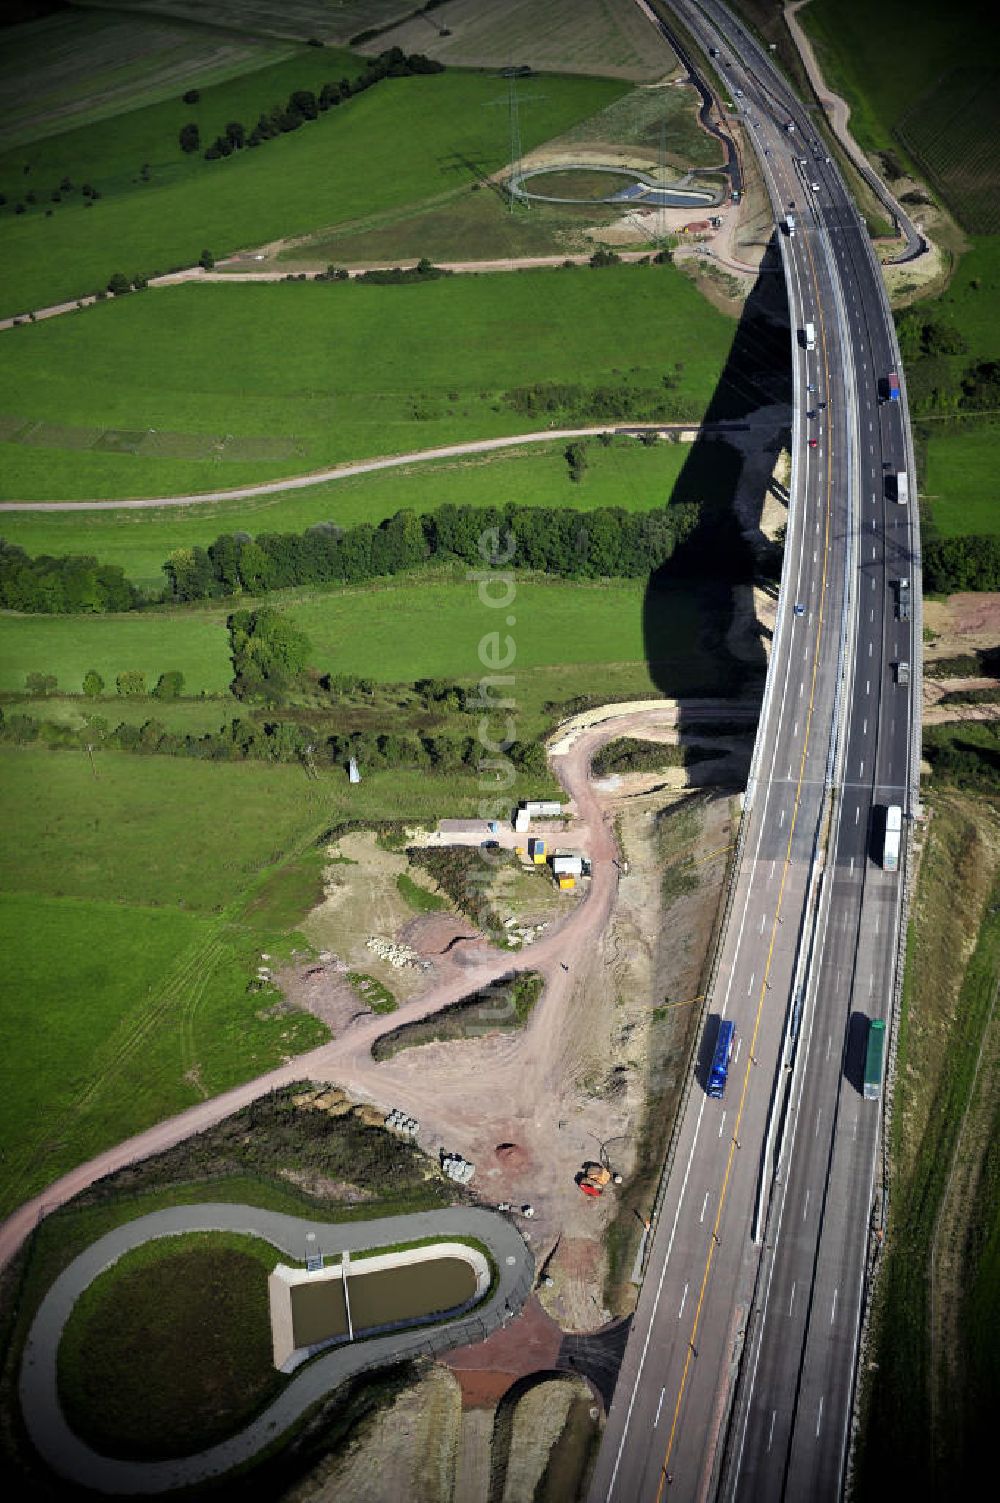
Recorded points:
(892, 838)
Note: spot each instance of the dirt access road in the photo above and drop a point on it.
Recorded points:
(518, 1087)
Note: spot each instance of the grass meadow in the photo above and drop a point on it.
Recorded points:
(628, 474)
(343, 370)
(398, 143)
(396, 631)
(195, 643)
(960, 483)
(854, 40)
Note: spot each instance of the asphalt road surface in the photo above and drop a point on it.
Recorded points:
(738, 1378)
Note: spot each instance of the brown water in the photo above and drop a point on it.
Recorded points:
(418, 1292)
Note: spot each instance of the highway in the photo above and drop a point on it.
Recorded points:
(738, 1379)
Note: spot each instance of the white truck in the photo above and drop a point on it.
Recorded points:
(903, 599)
(789, 225)
(902, 487)
(893, 837)
(809, 336)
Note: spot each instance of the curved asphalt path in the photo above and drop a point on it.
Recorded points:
(70, 1457)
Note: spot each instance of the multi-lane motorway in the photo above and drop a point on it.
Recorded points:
(738, 1380)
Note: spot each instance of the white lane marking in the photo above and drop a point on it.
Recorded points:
(876, 923)
(763, 920)
(736, 1051)
(864, 728)
(829, 1044)
(855, 1133)
(861, 770)
(833, 1312)
(819, 1416)
(722, 1123)
(753, 978)
(819, 1113)
(873, 582)
(814, 555)
(801, 687)
(773, 865)
(683, 1302)
(789, 772)
(857, 815)
(805, 1208)
(781, 821)
(869, 649)
(792, 1300)
(704, 1207)
(770, 1433)
(873, 550)
(852, 863)
(868, 686)
(795, 731)
(871, 983)
(658, 1408)
(872, 615)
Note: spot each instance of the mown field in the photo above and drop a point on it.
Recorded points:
(577, 36)
(398, 143)
(341, 371)
(952, 132)
(78, 66)
(628, 473)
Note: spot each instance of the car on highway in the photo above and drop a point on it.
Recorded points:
(812, 443)
(811, 413)
(800, 609)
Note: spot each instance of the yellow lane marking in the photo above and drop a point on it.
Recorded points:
(734, 1142)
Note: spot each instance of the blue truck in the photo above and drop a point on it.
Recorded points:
(719, 1073)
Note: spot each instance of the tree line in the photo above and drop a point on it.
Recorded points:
(304, 105)
(607, 542)
(962, 563)
(284, 741)
(63, 584)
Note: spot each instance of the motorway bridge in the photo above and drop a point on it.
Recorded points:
(739, 1377)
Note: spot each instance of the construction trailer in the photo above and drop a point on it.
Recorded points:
(567, 864)
(537, 851)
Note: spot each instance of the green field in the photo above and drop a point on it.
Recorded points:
(413, 627)
(960, 485)
(952, 132)
(972, 300)
(400, 142)
(194, 643)
(81, 65)
(884, 57)
(344, 371)
(627, 474)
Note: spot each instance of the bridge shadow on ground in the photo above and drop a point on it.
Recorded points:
(698, 625)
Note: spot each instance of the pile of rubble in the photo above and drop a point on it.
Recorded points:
(398, 1121)
(518, 936)
(400, 957)
(456, 1167)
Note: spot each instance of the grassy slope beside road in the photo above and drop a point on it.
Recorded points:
(952, 953)
(399, 142)
(343, 371)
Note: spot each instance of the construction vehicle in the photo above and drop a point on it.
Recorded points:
(594, 1178)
